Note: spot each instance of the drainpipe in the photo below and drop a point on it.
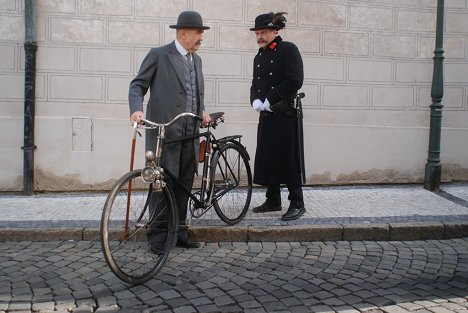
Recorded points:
(30, 47)
(433, 171)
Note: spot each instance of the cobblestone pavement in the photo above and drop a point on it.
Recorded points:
(359, 276)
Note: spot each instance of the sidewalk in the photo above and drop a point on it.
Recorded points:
(376, 212)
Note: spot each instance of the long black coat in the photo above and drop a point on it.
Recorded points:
(278, 74)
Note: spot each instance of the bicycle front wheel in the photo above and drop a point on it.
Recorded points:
(128, 217)
(231, 183)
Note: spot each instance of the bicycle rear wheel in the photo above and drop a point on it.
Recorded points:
(125, 225)
(231, 183)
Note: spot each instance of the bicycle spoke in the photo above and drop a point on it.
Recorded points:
(131, 259)
(231, 201)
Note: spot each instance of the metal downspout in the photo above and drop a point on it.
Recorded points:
(30, 47)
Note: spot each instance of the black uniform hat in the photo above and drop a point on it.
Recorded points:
(189, 19)
(270, 21)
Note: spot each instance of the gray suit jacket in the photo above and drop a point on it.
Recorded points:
(162, 73)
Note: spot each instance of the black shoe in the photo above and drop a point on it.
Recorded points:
(293, 213)
(187, 243)
(265, 207)
(157, 248)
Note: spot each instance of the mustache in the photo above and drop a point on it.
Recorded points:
(261, 41)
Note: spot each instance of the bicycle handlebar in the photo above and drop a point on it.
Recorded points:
(154, 125)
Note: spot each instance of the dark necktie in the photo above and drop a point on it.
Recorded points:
(189, 60)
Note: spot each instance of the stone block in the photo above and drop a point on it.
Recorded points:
(362, 70)
(106, 7)
(456, 73)
(352, 232)
(453, 98)
(450, 4)
(399, 46)
(345, 96)
(12, 28)
(8, 5)
(117, 88)
(105, 60)
(456, 230)
(162, 9)
(393, 97)
(411, 3)
(322, 14)
(323, 68)
(416, 231)
(237, 38)
(214, 64)
(456, 22)
(12, 86)
(307, 40)
(296, 233)
(91, 234)
(51, 58)
(256, 7)
(210, 91)
(218, 233)
(370, 17)
(8, 59)
(37, 234)
(454, 47)
(211, 10)
(60, 6)
(311, 95)
(346, 43)
(134, 33)
(416, 21)
(76, 30)
(411, 72)
(234, 92)
(76, 87)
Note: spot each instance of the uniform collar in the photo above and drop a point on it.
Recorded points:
(272, 45)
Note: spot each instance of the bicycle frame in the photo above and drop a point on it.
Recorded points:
(153, 160)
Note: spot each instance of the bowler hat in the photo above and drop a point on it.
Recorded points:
(189, 19)
(265, 21)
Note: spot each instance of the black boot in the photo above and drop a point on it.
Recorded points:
(182, 238)
(293, 213)
(266, 207)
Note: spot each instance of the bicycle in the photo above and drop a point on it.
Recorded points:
(141, 200)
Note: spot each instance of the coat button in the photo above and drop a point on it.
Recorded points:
(258, 65)
(258, 77)
(258, 90)
(271, 61)
(271, 74)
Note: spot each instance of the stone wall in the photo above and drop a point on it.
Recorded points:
(368, 71)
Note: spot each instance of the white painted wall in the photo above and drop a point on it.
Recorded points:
(368, 71)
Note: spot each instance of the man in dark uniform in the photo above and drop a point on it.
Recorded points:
(277, 76)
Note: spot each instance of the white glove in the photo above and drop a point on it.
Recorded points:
(257, 105)
(266, 105)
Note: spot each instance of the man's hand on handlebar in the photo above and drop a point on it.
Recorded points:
(135, 117)
(206, 119)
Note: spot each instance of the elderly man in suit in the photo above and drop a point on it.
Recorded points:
(173, 73)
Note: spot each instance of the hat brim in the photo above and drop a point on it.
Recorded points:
(266, 27)
(189, 27)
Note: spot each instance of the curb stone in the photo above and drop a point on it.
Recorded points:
(331, 232)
